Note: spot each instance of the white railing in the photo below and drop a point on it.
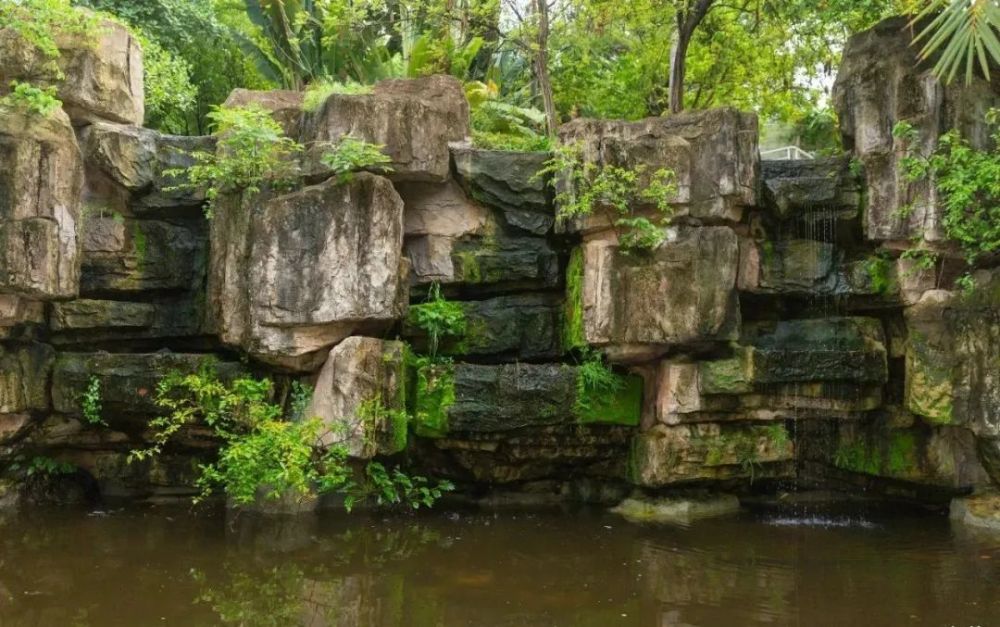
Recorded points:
(786, 153)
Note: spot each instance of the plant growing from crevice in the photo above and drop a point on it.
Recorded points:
(27, 98)
(595, 381)
(968, 185)
(38, 22)
(350, 155)
(264, 453)
(90, 403)
(584, 187)
(252, 151)
(41, 466)
(439, 318)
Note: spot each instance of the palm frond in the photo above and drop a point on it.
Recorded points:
(964, 32)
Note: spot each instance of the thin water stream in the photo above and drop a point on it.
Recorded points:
(802, 567)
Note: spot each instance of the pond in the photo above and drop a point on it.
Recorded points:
(586, 568)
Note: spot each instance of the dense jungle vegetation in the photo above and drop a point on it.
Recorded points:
(528, 64)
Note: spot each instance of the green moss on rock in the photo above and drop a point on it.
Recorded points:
(621, 407)
(573, 335)
(435, 393)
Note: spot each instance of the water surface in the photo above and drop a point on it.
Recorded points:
(151, 567)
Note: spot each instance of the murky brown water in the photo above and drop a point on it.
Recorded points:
(166, 567)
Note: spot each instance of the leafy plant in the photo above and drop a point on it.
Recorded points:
(90, 403)
(43, 466)
(40, 101)
(594, 380)
(350, 155)
(39, 22)
(968, 185)
(169, 93)
(265, 454)
(583, 187)
(439, 317)
(252, 151)
(318, 91)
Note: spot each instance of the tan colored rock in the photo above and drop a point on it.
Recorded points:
(24, 378)
(41, 175)
(101, 78)
(666, 455)
(302, 271)
(712, 153)
(637, 306)
(880, 83)
(360, 397)
(15, 310)
(414, 119)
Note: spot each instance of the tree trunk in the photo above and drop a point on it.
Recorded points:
(687, 21)
(542, 67)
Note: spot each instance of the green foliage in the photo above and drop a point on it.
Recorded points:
(350, 155)
(42, 466)
(301, 396)
(90, 403)
(498, 125)
(252, 151)
(594, 381)
(438, 317)
(263, 453)
(435, 393)
(879, 271)
(573, 335)
(968, 182)
(170, 95)
(318, 91)
(40, 22)
(510, 142)
(583, 187)
(964, 32)
(25, 97)
(207, 38)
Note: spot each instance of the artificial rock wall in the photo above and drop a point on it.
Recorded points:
(777, 334)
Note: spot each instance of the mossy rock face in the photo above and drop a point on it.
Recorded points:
(668, 455)
(505, 261)
(24, 378)
(468, 398)
(821, 349)
(521, 326)
(727, 376)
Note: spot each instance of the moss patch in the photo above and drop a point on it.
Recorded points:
(435, 393)
(623, 406)
(572, 331)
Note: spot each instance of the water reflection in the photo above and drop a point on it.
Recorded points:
(139, 568)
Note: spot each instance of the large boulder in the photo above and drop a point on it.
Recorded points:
(794, 187)
(99, 75)
(668, 455)
(413, 119)
(360, 397)
(881, 82)
(508, 181)
(639, 306)
(127, 168)
(41, 175)
(294, 274)
(467, 398)
(712, 153)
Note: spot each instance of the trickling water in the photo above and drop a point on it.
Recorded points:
(568, 569)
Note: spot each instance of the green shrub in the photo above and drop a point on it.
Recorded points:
(438, 317)
(594, 381)
(583, 187)
(90, 403)
(25, 97)
(252, 151)
(968, 184)
(170, 94)
(350, 155)
(266, 454)
(39, 22)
